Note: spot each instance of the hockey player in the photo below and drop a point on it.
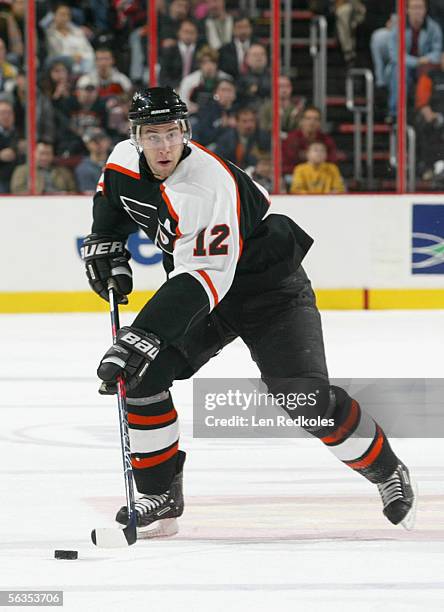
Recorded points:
(233, 270)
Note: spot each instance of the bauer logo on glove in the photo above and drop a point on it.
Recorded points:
(129, 357)
(107, 258)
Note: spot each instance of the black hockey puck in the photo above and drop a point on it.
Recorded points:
(66, 554)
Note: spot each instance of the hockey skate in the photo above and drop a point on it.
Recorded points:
(157, 514)
(399, 497)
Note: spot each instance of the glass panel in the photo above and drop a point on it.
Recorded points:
(339, 57)
(332, 68)
(230, 95)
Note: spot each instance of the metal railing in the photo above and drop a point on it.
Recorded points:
(358, 110)
(411, 155)
(287, 36)
(318, 51)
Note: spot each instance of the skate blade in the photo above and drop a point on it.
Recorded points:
(159, 529)
(410, 518)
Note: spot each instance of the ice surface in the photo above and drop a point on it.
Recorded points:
(269, 524)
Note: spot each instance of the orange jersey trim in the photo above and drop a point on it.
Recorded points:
(123, 170)
(341, 432)
(238, 206)
(167, 201)
(137, 419)
(371, 456)
(209, 282)
(151, 461)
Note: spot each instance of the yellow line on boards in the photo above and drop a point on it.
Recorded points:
(327, 299)
(409, 299)
(65, 301)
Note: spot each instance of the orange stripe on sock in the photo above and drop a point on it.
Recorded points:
(139, 464)
(137, 419)
(341, 432)
(368, 459)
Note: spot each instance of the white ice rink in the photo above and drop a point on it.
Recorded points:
(269, 524)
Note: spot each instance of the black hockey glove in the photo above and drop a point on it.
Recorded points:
(105, 257)
(129, 357)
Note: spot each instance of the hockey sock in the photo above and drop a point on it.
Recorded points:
(357, 440)
(154, 436)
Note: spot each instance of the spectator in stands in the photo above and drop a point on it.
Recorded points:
(90, 168)
(18, 10)
(380, 49)
(44, 110)
(10, 33)
(100, 15)
(423, 46)
(430, 120)
(199, 9)
(349, 14)
(294, 147)
(11, 148)
(169, 24)
(106, 77)
(218, 24)
(290, 108)
(49, 177)
(218, 115)
(317, 175)
(79, 112)
(254, 87)
(232, 55)
(138, 70)
(8, 72)
(436, 12)
(118, 124)
(57, 82)
(197, 88)
(242, 144)
(64, 38)
(262, 172)
(180, 60)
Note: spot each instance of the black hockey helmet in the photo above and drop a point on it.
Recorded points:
(157, 105)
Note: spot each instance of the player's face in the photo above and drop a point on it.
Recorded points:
(162, 146)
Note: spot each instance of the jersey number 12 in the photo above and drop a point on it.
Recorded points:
(218, 234)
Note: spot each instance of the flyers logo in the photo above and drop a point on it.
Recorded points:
(165, 237)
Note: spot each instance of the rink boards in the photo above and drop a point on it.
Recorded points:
(370, 251)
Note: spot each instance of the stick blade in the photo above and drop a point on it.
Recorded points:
(114, 538)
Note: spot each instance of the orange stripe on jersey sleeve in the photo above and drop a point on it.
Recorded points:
(238, 203)
(136, 419)
(373, 454)
(167, 201)
(123, 170)
(209, 282)
(150, 461)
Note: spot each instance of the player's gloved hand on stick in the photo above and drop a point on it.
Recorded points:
(129, 357)
(106, 257)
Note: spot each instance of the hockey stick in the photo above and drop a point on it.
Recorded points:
(111, 537)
